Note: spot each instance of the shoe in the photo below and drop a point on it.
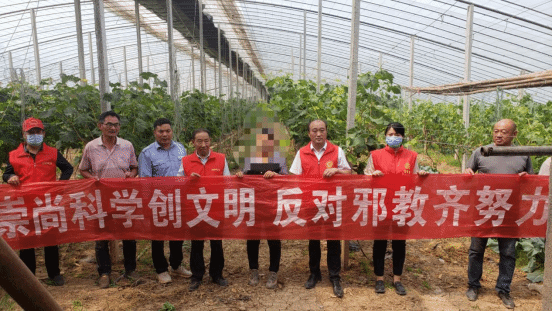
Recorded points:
(337, 288)
(312, 280)
(507, 300)
(379, 287)
(254, 277)
(182, 272)
(354, 246)
(272, 280)
(104, 281)
(221, 281)
(164, 277)
(58, 280)
(131, 275)
(472, 293)
(194, 285)
(400, 290)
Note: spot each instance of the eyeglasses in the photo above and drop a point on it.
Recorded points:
(112, 124)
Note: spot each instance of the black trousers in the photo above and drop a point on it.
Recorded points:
(398, 256)
(51, 260)
(104, 261)
(216, 263)
(274, 254)
(158, 256)
(333, 259)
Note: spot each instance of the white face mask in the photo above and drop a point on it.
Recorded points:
(35, 139)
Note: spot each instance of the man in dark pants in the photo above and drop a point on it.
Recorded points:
(322, 158)
(109, 156)
(504, 132)
(163, 158)
(204, 162)
(34, 161)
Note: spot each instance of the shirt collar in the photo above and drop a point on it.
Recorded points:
(158, 146)
(27, 150)
(207, 157)
(322, 149)
(101, 143)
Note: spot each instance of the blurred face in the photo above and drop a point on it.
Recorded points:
(504, 132)
(317, 132)
(201, 144)
(163, 134)
(392, 132)
(110, 127)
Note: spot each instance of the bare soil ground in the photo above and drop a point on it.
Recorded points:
(434, 275)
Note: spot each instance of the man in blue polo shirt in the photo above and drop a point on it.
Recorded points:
(163, 158)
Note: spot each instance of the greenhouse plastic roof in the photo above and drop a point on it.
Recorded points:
(510, 37)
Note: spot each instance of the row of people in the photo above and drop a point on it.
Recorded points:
(110, 156)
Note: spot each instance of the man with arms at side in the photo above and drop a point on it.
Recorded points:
(34, 161)
(204, 162)
(163, 158)
(504, 132)
(321, 158)
(109, 156)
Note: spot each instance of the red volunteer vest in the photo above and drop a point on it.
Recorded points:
(389, 161)
(311, 166)
(215, 164)
(42, 168)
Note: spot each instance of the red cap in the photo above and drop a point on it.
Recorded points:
(32, 123)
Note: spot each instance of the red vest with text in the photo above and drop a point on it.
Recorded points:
(215, 164)
(391, 161)
(311, 166)
(42, 168)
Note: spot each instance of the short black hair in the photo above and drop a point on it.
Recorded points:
(109, 113)
(309, 124)
(161, 121)
(200, 131)
(398, 127)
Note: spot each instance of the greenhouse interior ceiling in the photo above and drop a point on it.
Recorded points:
(422, 43)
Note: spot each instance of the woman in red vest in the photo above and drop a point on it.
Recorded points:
(392, 159)
(34, 161)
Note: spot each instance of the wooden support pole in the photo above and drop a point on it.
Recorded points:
(80, 43)
(125, 66)
(304, 42)
(35, 46)
(468, 56)
(138, 40)
(230, 72)
(220, 64)
(13, 74)
(319, 45)
(193, 69)
(411, 73)
(91, 54)
(101, 51)
(202, 55)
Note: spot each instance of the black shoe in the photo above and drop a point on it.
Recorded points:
(58, 280)
(194, 285)
(312, 280)
(507, 300)
(400, 290)
(220, 281)
(379, 287)
(472, 293)
(337, 288)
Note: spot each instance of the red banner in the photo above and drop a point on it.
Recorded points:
(349, 207)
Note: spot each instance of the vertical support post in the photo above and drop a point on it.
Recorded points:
(380, 61)
(521, 91)
(91, 54)
(292, 61)
(125, 66)
(238, 76)
(138, 40)
(202, 56)
(61, 70)
(411, 72)
(193, 70)
(319, 45)
(220, 64)
(299, 69)
(101, 51)
(304, 41)
(35, 46)
(13, 74)
(80, 43)
(230, 72)
(546, 303)
(468, 59)
(244, 81)
(172, 67)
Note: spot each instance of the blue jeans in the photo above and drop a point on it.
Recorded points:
(506, 262)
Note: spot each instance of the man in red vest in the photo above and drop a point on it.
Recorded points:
(321, 158)
(34, 161)
(204, 162)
